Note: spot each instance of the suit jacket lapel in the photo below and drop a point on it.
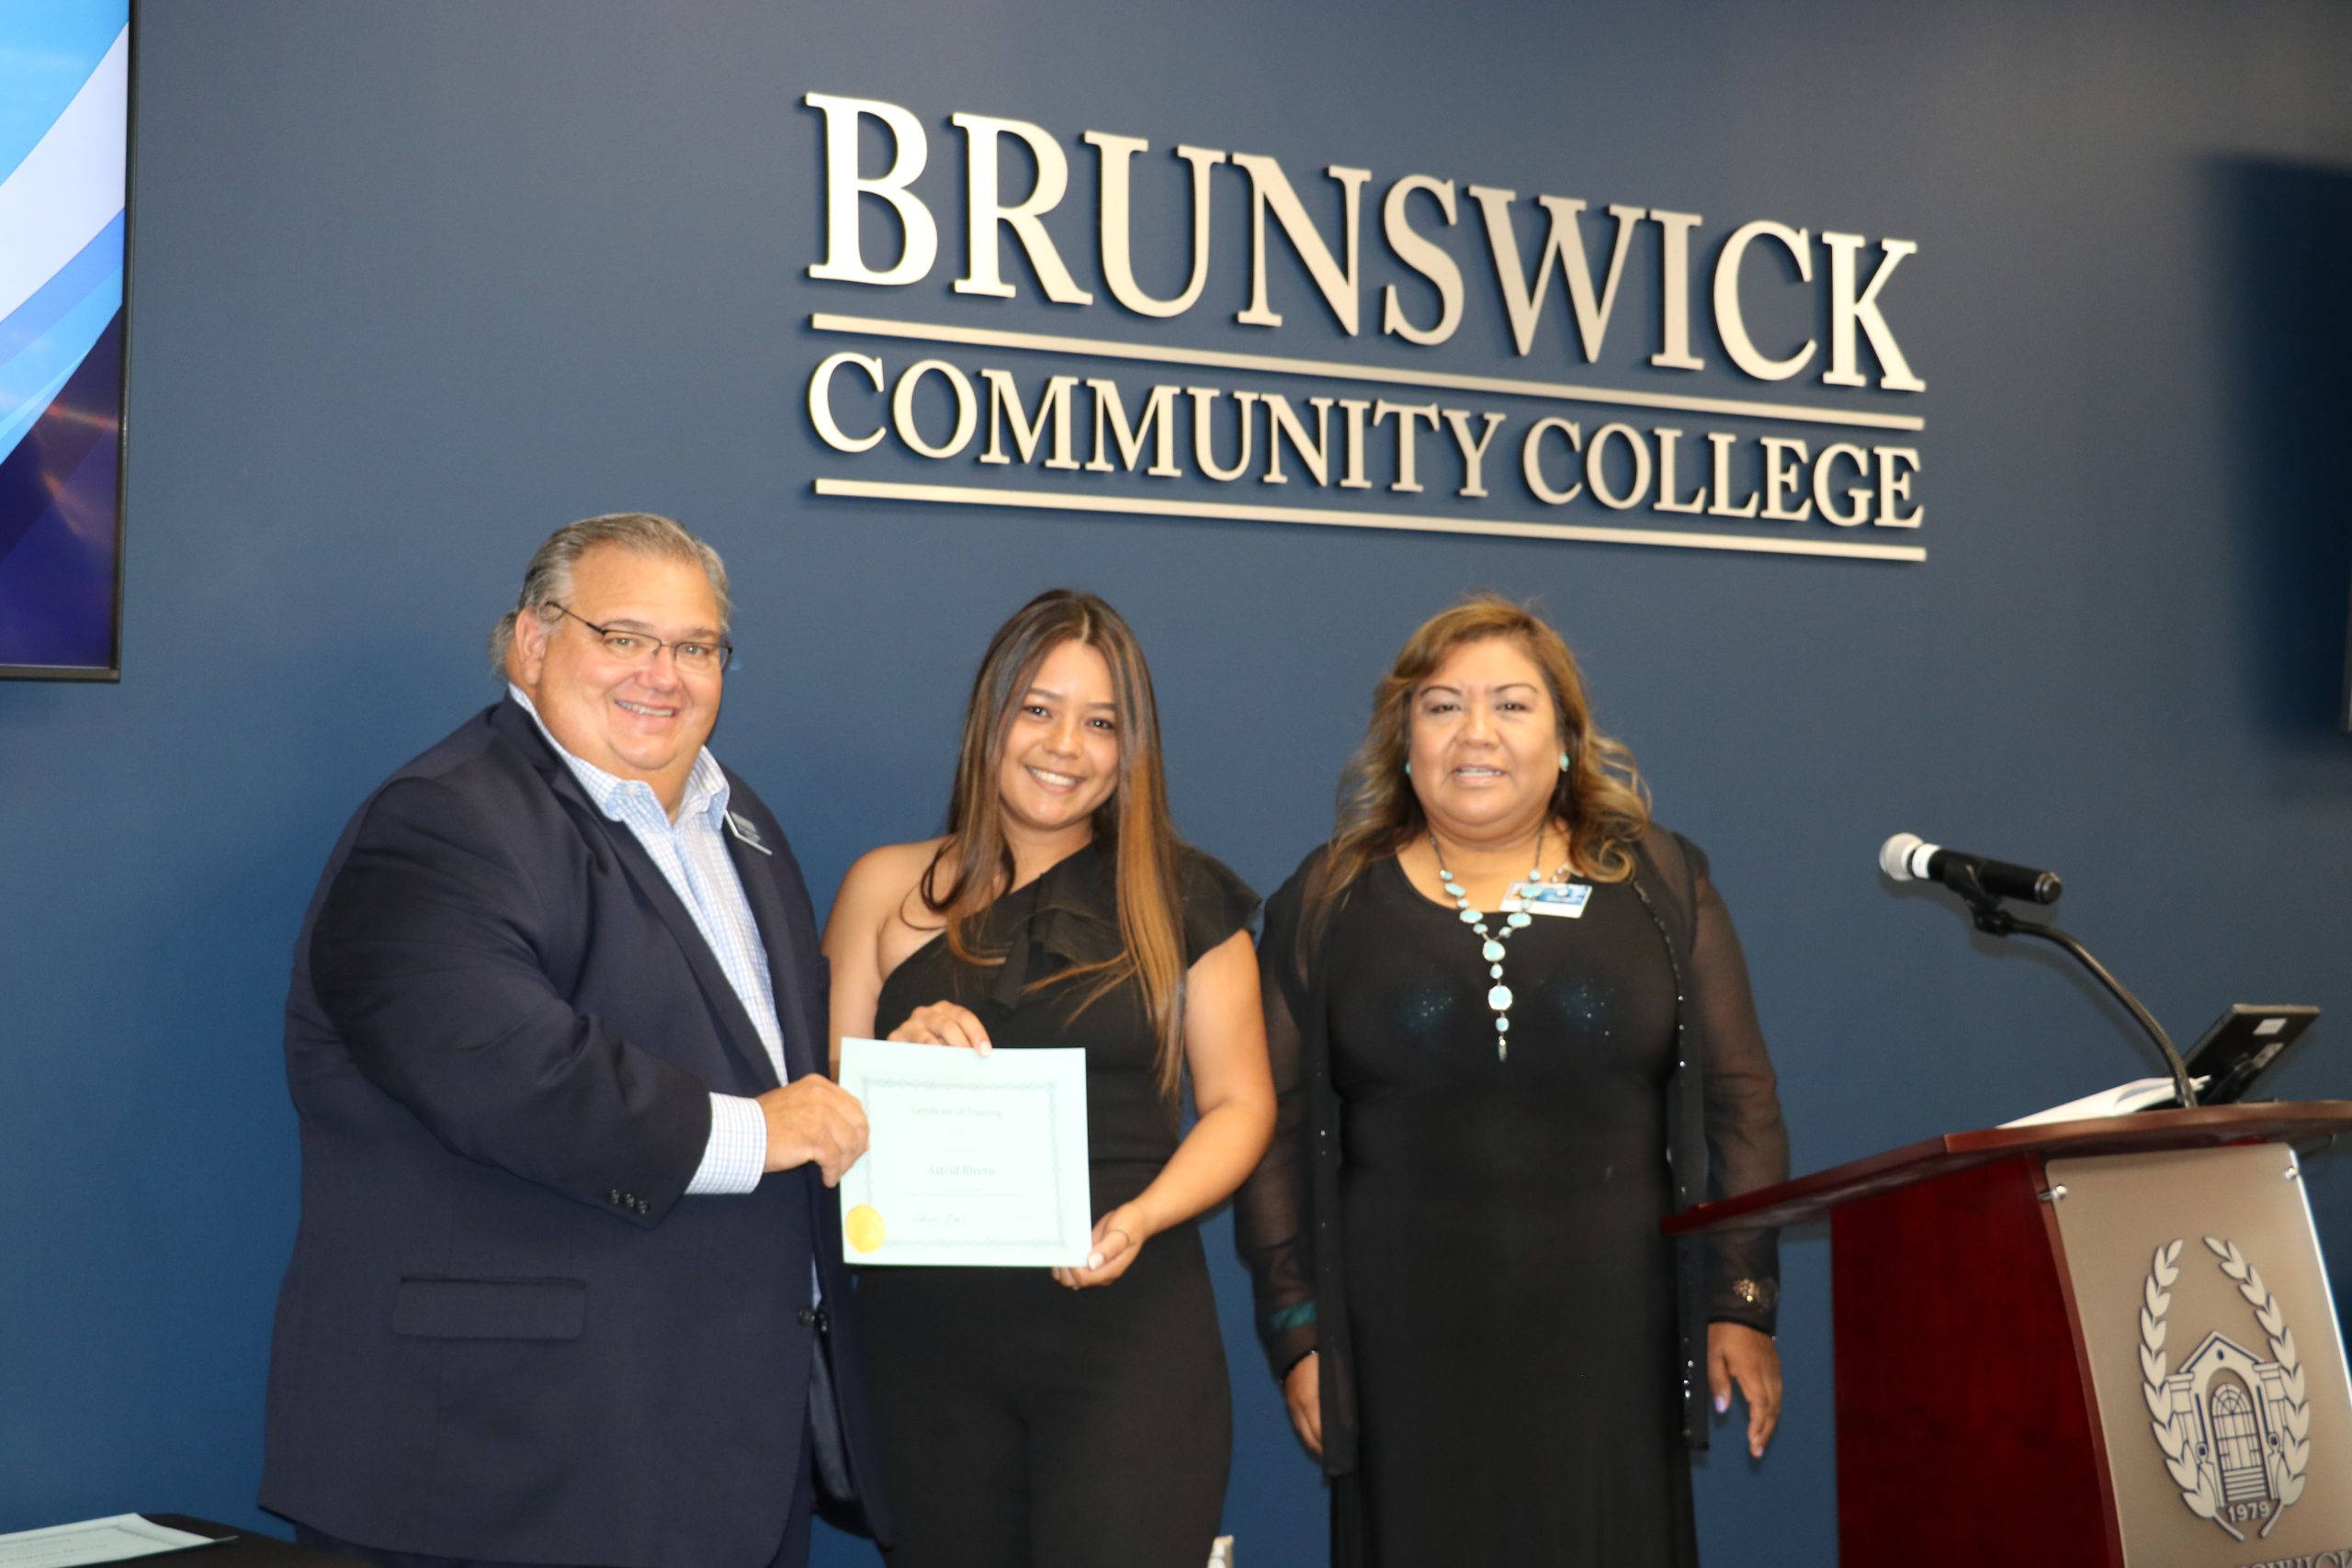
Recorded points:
(735, 1024)
(807, 1045)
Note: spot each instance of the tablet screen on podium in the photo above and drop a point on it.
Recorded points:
(2242, 1047)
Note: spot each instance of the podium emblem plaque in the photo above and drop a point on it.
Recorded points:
(2227, 1435)
(2236, 1429)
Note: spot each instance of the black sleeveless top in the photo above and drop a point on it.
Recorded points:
(1066, 919)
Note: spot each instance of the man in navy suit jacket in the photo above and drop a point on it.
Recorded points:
(567, 1287)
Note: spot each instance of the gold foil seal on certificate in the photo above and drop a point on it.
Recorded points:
(862, 1226)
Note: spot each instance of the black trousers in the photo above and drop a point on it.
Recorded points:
(1026, 1426)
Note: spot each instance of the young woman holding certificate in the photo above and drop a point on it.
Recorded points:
(1079, 1416)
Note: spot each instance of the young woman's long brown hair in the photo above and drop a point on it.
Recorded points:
(974, 866)
(1601, 795)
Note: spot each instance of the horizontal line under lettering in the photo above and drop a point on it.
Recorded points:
(1235, 511)
(1106, 348)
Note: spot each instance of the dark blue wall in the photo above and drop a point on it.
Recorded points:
(416, 282)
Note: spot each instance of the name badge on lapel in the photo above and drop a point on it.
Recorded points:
(1563, 898)
(743, 830)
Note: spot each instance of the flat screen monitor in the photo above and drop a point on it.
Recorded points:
(65, 180)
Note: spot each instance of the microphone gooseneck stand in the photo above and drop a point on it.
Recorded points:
(1993, 920)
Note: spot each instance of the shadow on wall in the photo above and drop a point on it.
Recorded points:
(2286, 229)
(2283, 231)
(29, 715)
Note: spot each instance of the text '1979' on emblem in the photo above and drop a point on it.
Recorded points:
(2234, 1429)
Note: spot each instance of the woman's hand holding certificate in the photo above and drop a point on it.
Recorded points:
(1119, 1237)
(973, 1160)
(944, 1023)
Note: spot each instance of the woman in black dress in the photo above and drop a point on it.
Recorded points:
(1028, 1416)
(1489, 1095)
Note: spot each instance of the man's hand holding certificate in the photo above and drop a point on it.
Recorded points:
(971, 1160)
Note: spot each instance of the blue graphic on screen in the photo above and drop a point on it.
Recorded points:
(64, 100)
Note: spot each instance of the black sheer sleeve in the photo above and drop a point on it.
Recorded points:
(1270, 1211)
(1747, 1144)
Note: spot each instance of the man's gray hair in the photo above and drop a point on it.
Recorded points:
(547, 582)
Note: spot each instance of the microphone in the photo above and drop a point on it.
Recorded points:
(1906, 857)
(1980, 883)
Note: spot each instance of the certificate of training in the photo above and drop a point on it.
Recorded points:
(969, 1161)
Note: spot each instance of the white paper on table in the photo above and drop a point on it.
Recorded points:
(94, 1540)
(970, 1160)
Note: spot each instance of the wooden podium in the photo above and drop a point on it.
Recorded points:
(2099, 1342)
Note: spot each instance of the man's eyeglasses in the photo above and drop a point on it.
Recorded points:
(638, 648)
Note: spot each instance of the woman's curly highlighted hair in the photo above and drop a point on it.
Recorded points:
(1601, 795)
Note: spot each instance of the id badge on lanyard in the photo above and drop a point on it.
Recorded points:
(1565, 900)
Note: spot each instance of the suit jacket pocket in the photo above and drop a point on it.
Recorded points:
(432, 1308)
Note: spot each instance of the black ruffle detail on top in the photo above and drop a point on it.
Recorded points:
(1069, 918)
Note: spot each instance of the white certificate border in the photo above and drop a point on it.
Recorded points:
(1070, 1185)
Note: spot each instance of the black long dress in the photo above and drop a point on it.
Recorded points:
(1507, 1394)
(1024, 1425)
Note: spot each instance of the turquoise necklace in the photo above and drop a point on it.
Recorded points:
(1492, 946)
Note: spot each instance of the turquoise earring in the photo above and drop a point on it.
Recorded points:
(1408, 769)
(1563, 761)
